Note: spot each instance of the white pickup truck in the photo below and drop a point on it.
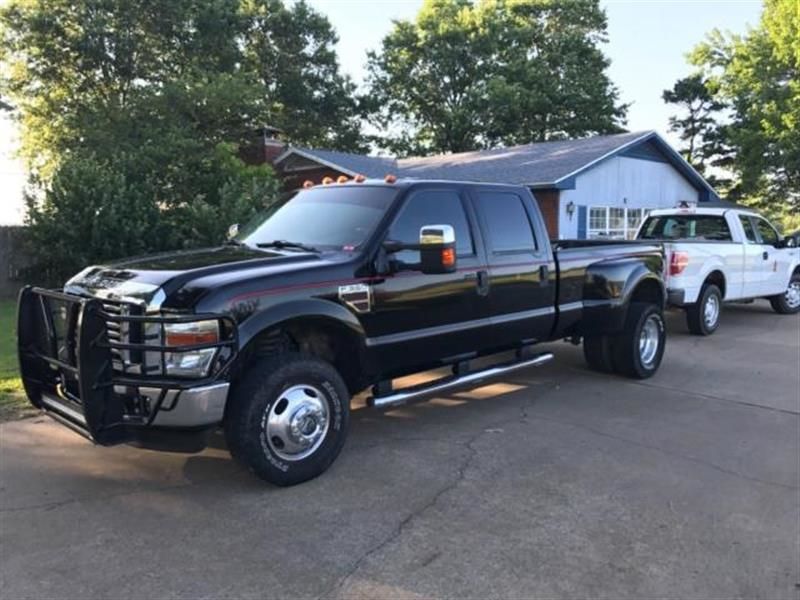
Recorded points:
(716, 255)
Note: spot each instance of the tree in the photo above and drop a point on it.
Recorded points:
(292, 51)
(757, 77)
(467, 75)
(698, 127)
(159, 97)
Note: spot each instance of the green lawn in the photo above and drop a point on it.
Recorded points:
(12, 399)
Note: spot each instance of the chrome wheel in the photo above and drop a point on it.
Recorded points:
(649, 339)
(297, 422)
(793, 294)
(711, 311)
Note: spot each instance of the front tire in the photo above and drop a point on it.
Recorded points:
(703, 316)
(638, 350)
(788, 303)
(287, 419)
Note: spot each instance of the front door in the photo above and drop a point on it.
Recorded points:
(418, 318)
(776, 261)
(753, 275)
(522, 276)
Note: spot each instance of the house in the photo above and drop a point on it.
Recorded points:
(597, 187)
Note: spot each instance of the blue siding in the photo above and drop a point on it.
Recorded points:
(582, 218)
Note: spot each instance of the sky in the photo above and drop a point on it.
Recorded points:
(648, 42)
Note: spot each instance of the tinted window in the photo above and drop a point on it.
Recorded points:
(509, 228)
(686, 227)
(325, 217)
(431, 208)
(749, 232)
(767, 233)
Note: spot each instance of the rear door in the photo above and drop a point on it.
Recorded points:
(522, 274)
(417, 318)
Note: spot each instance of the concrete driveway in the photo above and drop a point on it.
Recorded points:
(557, 482)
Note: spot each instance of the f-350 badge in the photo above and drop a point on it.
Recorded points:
(357, 296)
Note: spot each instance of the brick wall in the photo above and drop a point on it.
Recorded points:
(12, 260)
(549, 205)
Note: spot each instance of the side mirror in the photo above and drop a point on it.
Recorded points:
(789, 242)
(437, 249)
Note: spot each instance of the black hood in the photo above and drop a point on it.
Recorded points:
(140, 279)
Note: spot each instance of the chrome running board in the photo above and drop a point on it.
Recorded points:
(424, 391)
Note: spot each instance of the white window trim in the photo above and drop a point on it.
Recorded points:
(626, 232)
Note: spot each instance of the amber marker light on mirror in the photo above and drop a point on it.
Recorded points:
(448, 257)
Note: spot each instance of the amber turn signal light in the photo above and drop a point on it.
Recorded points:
(448, 257)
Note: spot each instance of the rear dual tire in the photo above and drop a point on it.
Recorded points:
(637, 351)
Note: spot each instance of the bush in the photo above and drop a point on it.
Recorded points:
(97, 210)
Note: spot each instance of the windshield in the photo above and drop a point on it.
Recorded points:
(685, 227)
(325, 218)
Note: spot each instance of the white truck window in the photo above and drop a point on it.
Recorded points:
(711, 228)
(749, 232)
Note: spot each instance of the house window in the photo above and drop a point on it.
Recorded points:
(614, 223)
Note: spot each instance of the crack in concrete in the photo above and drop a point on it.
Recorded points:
(401, 527)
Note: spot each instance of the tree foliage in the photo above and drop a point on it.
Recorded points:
(467, 75)
(697, 127)
(756, 78)
(157, 97)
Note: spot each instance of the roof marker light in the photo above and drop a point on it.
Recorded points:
(359, 178)
(390, 178)
(327, 180)
(308, 184)
(342, 179)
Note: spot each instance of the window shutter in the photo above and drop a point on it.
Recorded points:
(582, 222)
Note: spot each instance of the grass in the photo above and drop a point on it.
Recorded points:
(13, 403)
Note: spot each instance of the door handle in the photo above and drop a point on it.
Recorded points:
(544, 273)
(481, 279)
(765, 255)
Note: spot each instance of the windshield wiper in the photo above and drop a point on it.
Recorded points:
(281, 244)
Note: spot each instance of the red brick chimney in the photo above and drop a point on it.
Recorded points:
(274, 146)
(266, 147)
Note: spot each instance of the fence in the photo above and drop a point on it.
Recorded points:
(13, 260)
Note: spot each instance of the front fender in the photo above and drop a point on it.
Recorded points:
(298, 309)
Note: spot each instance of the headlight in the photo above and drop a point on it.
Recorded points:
(194, 363)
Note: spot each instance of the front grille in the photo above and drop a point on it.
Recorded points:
(125, 361)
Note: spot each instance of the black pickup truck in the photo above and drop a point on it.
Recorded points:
(335, 289)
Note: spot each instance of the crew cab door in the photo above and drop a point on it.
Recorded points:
(420, 318)
(522, 278)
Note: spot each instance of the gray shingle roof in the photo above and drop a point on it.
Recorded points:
(356, 164)
(530, 164)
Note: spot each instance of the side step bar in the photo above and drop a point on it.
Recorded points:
(424, 391)
(62, 412)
